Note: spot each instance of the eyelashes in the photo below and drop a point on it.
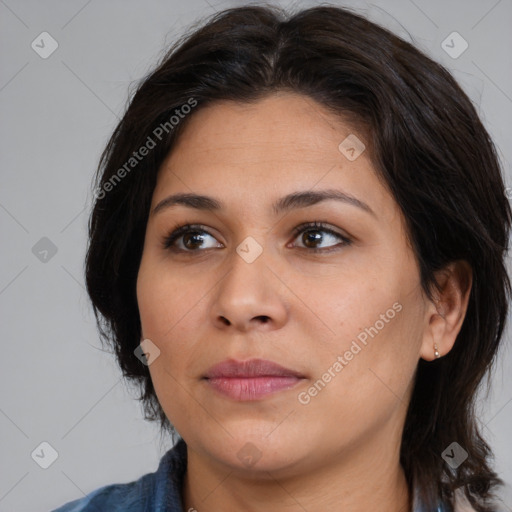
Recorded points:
(195, 229)
(196, 234)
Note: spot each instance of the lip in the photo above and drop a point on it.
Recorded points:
(251, 380)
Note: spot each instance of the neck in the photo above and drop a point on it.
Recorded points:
(368, 477)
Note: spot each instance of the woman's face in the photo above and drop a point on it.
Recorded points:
(340, 305)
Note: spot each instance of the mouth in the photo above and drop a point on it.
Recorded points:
(251, 380)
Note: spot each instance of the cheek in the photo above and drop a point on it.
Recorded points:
(172, 315)
(164, 300)
(366, 366)
(171, 394)
(361, 386)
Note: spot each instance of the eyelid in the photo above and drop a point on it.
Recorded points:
(179, 230)
(322, 226)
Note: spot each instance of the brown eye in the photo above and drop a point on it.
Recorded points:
(311, 236)
(191, 237)
(315, 233)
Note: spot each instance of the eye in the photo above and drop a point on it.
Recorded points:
(192, 237)
(311, 234)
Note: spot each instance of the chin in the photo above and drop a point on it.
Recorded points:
(254, 451)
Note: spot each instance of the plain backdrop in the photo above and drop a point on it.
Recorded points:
(56, 114)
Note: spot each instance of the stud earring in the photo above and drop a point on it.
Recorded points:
(436, 351)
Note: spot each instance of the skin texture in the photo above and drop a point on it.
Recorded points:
(340, 451)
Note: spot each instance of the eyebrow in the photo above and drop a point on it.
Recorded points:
(284, 204)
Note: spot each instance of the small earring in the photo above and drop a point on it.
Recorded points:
(436, 351)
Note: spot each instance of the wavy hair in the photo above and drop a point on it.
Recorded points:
(428, 147)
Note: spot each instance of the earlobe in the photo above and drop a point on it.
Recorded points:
(435, 344)
(445, 315)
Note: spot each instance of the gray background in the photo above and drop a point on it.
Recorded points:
(56, 114)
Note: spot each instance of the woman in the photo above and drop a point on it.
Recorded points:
(297, 249)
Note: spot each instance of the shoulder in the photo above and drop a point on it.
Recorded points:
(160, 490)
(127, 497)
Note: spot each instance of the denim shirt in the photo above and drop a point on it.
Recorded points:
(154, 492)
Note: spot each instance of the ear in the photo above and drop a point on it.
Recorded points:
(444, 316)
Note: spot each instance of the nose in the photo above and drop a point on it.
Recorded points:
(250, 296)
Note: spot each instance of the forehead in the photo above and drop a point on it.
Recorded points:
(281, 125)
(263, 150)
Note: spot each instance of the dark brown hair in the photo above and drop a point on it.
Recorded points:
(429, 148)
